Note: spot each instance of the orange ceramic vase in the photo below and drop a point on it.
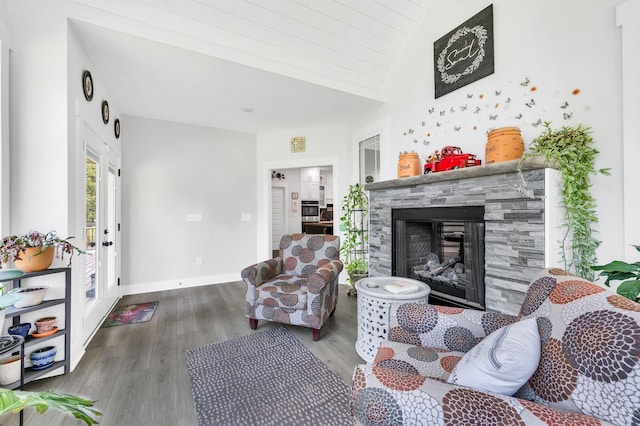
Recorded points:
(33, 262)
(503, 144)
(408, 165)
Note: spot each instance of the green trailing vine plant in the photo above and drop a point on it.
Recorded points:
(570, 148)
(353, 222)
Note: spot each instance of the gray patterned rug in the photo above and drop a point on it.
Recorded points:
(266, 378)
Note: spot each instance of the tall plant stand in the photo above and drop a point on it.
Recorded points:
(355, 246)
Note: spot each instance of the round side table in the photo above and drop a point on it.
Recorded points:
(373, 310)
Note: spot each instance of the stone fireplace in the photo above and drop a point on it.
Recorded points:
(516, 236)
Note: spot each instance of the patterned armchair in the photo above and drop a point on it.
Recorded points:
(298, 287)
(588, 374)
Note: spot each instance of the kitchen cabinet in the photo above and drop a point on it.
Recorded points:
(310, 191)
(328, 193)
(326, 180)
(63, 333)
(310, 174)
(324, 227)
(310, 183)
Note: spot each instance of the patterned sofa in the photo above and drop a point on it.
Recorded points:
(588, 373)
(299, 287)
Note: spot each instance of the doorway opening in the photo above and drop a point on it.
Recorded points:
(301, 201)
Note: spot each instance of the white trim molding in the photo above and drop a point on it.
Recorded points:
(628, 18)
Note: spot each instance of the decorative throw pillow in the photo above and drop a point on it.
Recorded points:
(503, 361)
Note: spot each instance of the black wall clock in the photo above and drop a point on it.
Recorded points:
(87, 85)
(105, 112)
(116, 128)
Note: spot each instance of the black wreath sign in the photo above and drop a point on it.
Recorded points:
(465, 54)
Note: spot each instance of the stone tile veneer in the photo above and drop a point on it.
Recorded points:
(518, 243)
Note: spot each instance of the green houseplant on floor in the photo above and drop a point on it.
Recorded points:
(80, 408)
(354, 224)
(571, 150)
(628, 273)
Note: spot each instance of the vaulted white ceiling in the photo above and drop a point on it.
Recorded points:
(294, 63)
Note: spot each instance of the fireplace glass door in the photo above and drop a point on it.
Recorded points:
(443, 247)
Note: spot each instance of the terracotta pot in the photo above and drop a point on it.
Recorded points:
(503, 144)
(33, 262)
(408, 165)
(46, 324)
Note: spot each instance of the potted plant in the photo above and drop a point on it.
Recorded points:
(629, 273)
(570, 149)
(80, 408)
(354, 224)
(35, 247)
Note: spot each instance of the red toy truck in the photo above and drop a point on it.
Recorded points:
(450, 158)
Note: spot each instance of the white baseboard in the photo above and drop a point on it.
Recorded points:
(175, 284)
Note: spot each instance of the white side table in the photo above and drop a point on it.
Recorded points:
(373, 311)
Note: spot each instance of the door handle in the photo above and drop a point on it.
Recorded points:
(107, 243)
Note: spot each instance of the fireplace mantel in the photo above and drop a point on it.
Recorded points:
(531, 163)
(522, 234)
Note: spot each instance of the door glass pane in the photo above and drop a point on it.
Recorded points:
(92, 181)
(370, 160)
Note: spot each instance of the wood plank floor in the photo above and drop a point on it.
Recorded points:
(137, 373)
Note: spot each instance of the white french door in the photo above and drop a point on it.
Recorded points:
(102, 236)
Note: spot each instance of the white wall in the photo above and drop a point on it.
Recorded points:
(39, 163)
(5, 42)
(48, 112)
(171, 170)
(559, 47)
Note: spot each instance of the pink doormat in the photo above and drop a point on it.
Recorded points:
(129, 314)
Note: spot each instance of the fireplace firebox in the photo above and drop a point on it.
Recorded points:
(443, 247)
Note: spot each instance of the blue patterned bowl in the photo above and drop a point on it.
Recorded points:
(43, 357)
(20, 329)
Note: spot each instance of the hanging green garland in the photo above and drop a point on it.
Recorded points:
(570, 148)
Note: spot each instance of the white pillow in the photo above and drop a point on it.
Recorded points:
(503, 361)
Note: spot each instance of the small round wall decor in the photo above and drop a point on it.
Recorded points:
(105, 112)
(87, 85)
(116, 128)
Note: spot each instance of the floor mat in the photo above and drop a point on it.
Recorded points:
(130, 314)
(268, 378)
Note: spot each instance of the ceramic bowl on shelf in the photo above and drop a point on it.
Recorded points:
(46, 324)
(31, 296)
(10, 370)
(43, 357)
(20, 329)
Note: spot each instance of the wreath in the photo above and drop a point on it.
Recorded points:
(481, 34)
